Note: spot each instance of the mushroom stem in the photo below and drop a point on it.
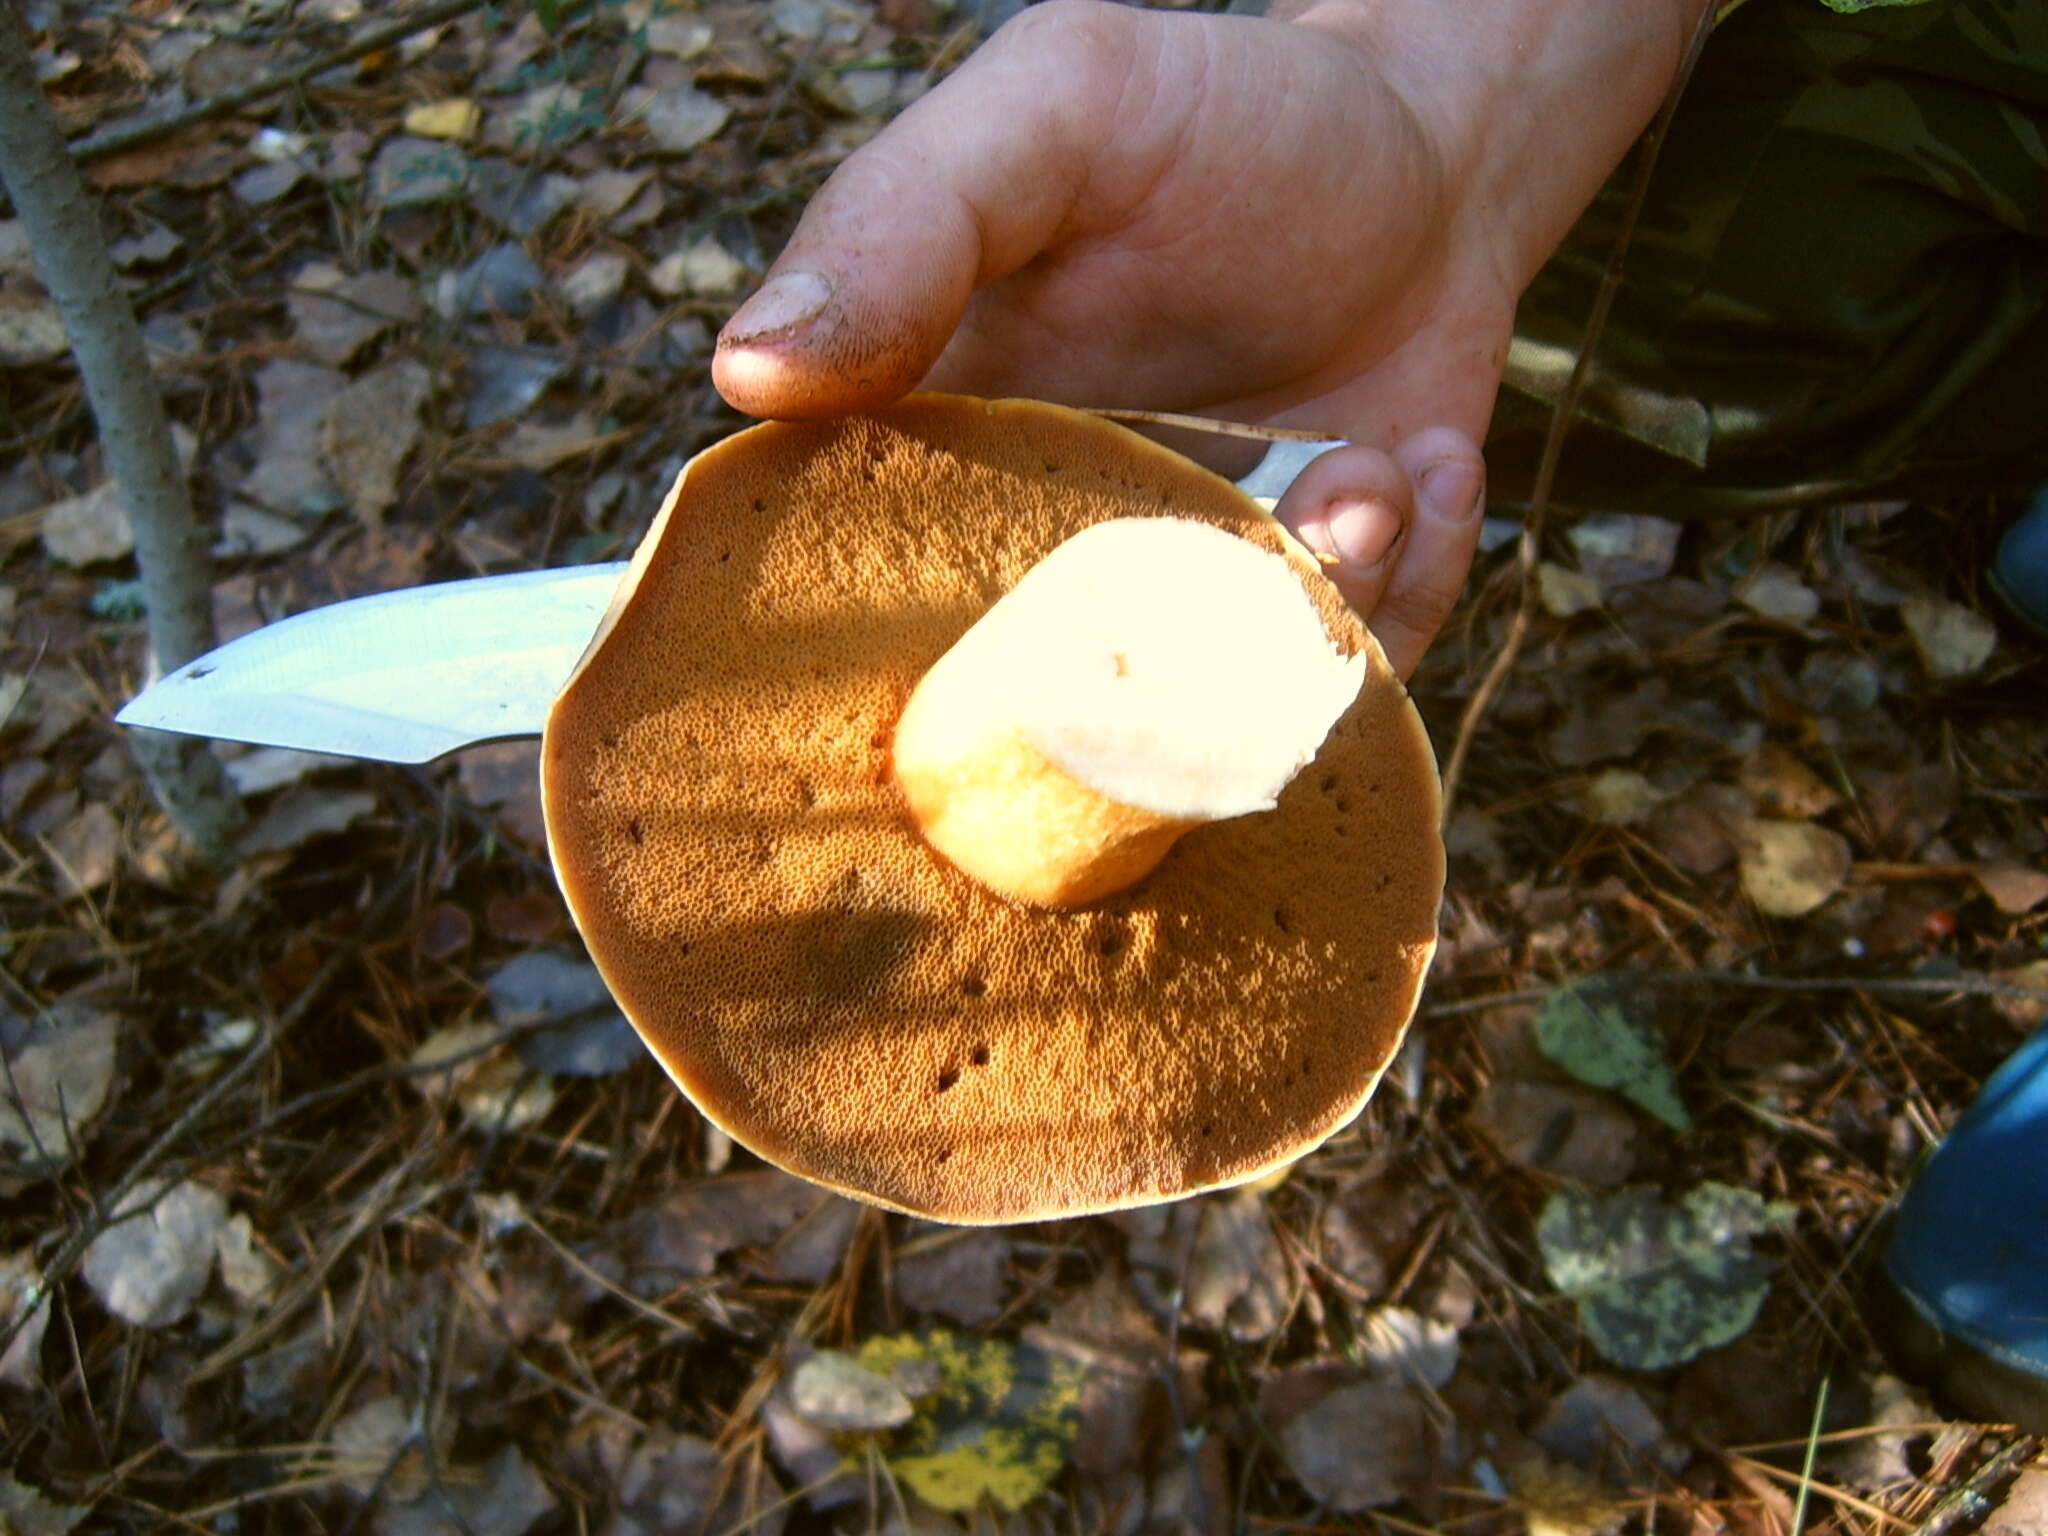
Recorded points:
(1148, 676)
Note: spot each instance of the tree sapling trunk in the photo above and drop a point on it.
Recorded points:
(171, 547)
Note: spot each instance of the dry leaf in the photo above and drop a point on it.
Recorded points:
(595, 282)
(289, 475)
(369, 429)
(1401, 1342)
(410, 169)
(21, 1291)
(89, 529)
(1370, 1225)
(57, 1082)
(2015, 889)
(680, 1483)
(684, 1234)
(302, 814)
(25, 1512)
(1237, 1272)
(336, 316)
(1876, 1463)
(1791, 867)
(86, 850)
(456, 118)
(1621, 797)
(680, 37)
(1565, 593)
(149, 1267)
(543, 445)
(1619, 548)
(1559, 1128)
(605, 194)
(495, 1090)
(2023, 1012)
(1774, 591)
(1953, 641)
(704, 269)
(1362, 1446)
(1563, 1501)
(955, 1274)
(837, 1393)
(262, 769)
(503, 1497)
(1784, 786)
(2024, 1509)
(678, 119)
(366, 1442)
(809, 1456)
(1598, 1416)
(31, 331)
(245, 1269)
(1696, 829)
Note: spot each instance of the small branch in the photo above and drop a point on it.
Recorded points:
(1966, 1500)
(1966, 985)
(127, 136)
(1560, 421)
(172, 547)
(72, 1250)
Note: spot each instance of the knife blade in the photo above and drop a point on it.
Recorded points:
(411, 675)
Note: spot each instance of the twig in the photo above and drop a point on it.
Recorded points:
(1967, 1501)
(646, 1309)
(171, 543)
(370, 1210)
(1968, 984)
(114, 140)
(1839, 1496)
(1560, 420)
(72, 1250)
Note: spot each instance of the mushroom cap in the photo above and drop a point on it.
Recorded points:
(833, 994)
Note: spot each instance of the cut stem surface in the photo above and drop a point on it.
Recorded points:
(1146, 677)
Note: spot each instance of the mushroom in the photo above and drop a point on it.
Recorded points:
(984, 812)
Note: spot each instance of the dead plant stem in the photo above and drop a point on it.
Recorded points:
(1966, 1501)
(130, 135)
(72, 1250)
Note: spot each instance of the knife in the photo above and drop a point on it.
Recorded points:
(410, 675)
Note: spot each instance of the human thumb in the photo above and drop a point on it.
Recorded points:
(966, 186)
(860, 303)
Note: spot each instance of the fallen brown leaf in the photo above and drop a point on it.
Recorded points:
(1791, 867)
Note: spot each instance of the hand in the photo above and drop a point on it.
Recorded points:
(1253, 219)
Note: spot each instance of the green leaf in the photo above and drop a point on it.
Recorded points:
(1657, 1284)
(1590, 1028)
(549, 14)
(996, 1420)
(1851, 7)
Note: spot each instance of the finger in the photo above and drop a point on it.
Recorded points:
(966, 186)
(1352, 508)
(1435, 554)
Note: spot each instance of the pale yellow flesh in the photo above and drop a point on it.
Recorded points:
(1148, 676)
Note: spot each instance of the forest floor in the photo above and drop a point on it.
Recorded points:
(336, 1199)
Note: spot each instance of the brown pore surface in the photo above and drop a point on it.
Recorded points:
(830, 991)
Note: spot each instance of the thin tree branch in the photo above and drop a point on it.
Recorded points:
(172, 548)
(124, 136)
